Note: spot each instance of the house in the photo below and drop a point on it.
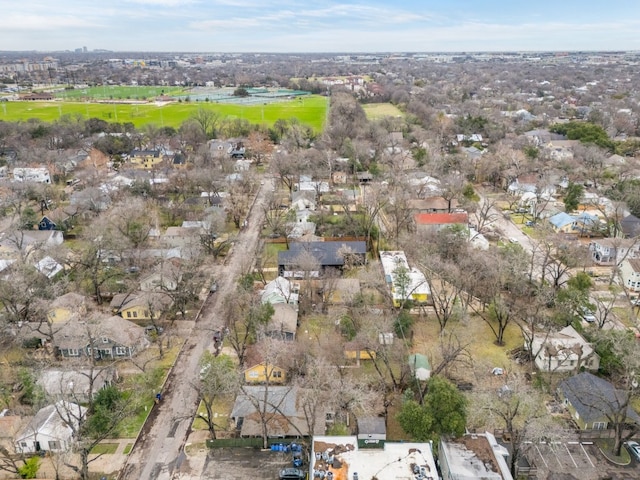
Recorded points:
(104, 338)
(265, 373)
(592, 401)
(419, 366)
(66, 306)
(434, 204)
(562, 223)
(473, 456)
(357, 457)
(355, 352)
(563, 351)
(587, 225)
(404, 282)
(611, 251)
(284, 412)
(140, 305)
(231, 148)
(37, 96)
(432, 222)
(326, 254)
(630, 225)
(146, 159)
(47, 224)
(48, 267)
(166, 278)
(38, 175)
(283, 323)
(75, 385)
(280, 290)
(49, 430)
(630, 273)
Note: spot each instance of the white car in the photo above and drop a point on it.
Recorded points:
(513, 240)
(587, 315)
(634, 449)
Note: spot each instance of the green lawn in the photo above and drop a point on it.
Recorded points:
(127, 448)
(105, 448)
(376, 111)
(311, 112)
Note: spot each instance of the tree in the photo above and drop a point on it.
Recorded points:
(621, 355)
(573, 196)
(443, 412)
(207, 120)
(244, 314)
(218, 379)
(519, 410)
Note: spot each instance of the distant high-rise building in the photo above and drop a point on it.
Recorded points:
(84, 49)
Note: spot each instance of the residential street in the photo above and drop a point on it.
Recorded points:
(511, 231)
(159, 451)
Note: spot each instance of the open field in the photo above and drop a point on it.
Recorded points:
(312, 112)
(107, 92)
(376, 111)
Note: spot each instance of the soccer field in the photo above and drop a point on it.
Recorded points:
(309, 110)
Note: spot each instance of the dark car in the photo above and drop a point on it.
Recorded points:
(292, 474)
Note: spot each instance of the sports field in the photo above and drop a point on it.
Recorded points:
(107, 92)
(309, 110)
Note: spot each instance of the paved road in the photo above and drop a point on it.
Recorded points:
(159, 452)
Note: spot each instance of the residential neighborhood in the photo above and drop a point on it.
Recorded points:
(434, 274)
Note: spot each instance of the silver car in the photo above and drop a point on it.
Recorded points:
(634, 449)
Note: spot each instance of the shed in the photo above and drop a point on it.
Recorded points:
(372, 432)
(419, 366)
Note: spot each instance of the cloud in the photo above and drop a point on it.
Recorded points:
(16, 22)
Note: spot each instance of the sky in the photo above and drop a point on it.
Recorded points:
(290, 26)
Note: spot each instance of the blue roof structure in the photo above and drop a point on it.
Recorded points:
(561, 219)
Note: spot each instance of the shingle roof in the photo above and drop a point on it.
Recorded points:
(561, 219)
(593, 397)
(326, 253)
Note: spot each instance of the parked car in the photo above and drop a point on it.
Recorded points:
(513, 240)
(213, 288)
(587, 315)
(634, 449)
(530, 223)
(292, 474)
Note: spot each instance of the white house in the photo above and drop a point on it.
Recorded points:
(25, 174)
(280, 290)
(563, 351)
(49, 430)
(630, 271)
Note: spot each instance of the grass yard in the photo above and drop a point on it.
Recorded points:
(105, 448)
(311, 112)
(127, 448)
(485, 353)
(221, 410)
(376, 111)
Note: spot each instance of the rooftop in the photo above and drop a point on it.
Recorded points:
(342, 457)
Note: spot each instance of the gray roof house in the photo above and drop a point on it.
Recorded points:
(286, 417)
(593, 401)
(76, 385)
(104, 337)
(327, 254)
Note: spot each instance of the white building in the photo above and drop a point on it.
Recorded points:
(353, 458)
(465, 458)
(25, 174)
(417, 288)
(49, 430)
(563, 351)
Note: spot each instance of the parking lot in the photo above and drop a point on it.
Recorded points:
(573, 460)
